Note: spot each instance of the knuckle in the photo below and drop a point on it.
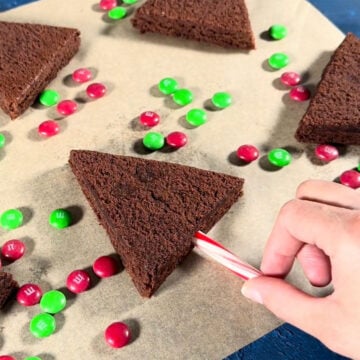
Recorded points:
(303, 188)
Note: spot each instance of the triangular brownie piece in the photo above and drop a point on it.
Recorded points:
(151, 209)
(221, 22)
(333, 115)
(31, 56)
(7, 287)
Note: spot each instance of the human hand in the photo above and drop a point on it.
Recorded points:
(321, 229)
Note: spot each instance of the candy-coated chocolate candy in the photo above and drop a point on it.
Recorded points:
(48, 128)
(78, 281)
(53, 301)
(29, 294)
(168, 86)
(82, 75)
(66, 107)
(278, 32)
(49, 97)
(183, 97)
(247, 153)
(149, 118)
(117, 334)
(300, 93)
(290, 78)
(2, 140)
(60, 219)
(13, 249)
(6, 357)
(11, 219)
(107, 4)
(221, 100)
(153, 140)
(278, 60)
(358, 168)
(118, 12)
(350, 178)
(176, 139)
(196, 117)
(279, 157)
(96, 90)
(32, 358)
(130, 2)
(105, 266)
(42, 325)
(326, 152)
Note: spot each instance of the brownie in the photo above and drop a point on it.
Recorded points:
(7, 287)
(221, 22)
(333, 115)
(151, 209)
(31, 56)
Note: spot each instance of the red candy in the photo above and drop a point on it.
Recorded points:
(66, 107)
(96, 90)
(78, 281)
(105, 266)
(290, 78)
(149, 118)
(49, 128)
(117, 335)
(6, 357)
(107, 4)
(326, 152)
(13, 250)
(350, 178)
(300, 93)
(81, 75)
(247, 153)
(29, 294)
(176, 139)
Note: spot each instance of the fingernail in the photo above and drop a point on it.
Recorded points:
(251, 294)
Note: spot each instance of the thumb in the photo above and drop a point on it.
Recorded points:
(288, 303)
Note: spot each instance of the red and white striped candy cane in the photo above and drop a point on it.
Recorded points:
(219, 253)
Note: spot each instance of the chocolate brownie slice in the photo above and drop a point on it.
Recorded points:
(151, 209)
(333, 115)
(31, 56)
(7, 287)
(221, 22)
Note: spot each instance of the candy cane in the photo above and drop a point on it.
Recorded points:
(219, 253)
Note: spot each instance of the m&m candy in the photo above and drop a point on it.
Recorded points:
(154, 140)
(117, 13)
(168, 86)
(149, 118)
(107, 4)
(13, 249)
(6, 357)
(78, 281)
(221, 100)
(83, 74)
(32, 358)
(278, 61)
(247, 153)
(53, 301)
(176, 139)
(66, 107)
(300, 93)
(11, 219)
(183, 97)
(60, 219)
(130, 2)
(96, 90)
(49, 97)
(350, 178)
(278, 32)
(117, 334)
(42, 325)
(48, 128)
(290, 78)
(105, 266)
(279, 157)
(326, 152)
(2, 140)
(29, 294)
(196, 117)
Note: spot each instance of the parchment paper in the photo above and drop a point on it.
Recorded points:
(199, 313)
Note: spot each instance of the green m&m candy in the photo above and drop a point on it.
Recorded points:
(2, 140)
(32, 358)
(278, 61)
(183, 97)
(221, 100)
(279, 157)
(278, 32)
(53, 301)
(49, 97)
(11, 219)
(60, 218)
(154, 140)
(130, 2)
(42, 325)
(117, 13)
(168, 86)
(196, 117)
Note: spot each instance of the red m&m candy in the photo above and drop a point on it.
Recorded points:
(176, 139)
(247, 153)
(350, 178)
(6, 357)
(96, 90)
(107, 4)
(66, 107)
(117, 335)
(290, 78)
(49, 128)
(326, 152)
(29, 294)
(300, 93)
(81, 75)
(78, 281)
(149, 118)
(105, 266)
(13, 250)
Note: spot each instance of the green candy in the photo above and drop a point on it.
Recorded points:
(42, 325)
(60, 219)
(183, 97)
(279, 157)
(2, 140)
(196, 117)
(221, 100)
(53, 301)
(49, 97)
(117, 13)
(358, 168)
(154, 140)
(278, 32)
(32, 358)
(168, 86)
(278, 61)
(130, 2)
(11, 219)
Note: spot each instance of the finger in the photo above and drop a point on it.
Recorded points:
(329, 193)
(316, 265)
(301, 222)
